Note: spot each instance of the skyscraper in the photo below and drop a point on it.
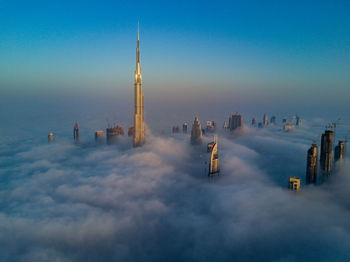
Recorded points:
(253, 121)
(235, 121)
(50, 137)
(196, 133)
(76, 132)
(294, 184)
(311, 164)
(99, 136)
(139, 122)
(298, 121)
(340, 152)
(273, 120)
(265, 121)
(184, 127)
(326, 152)
(214, 167)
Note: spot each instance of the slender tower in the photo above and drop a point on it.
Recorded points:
(214, 157)
(76, 132)
(311, 165)
(139, 122)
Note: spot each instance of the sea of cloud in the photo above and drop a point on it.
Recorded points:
(90, 202)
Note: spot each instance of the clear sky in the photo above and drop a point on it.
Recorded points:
(241, 51)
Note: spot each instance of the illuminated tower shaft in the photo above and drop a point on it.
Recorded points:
(139, 123)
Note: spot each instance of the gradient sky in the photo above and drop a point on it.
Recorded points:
(238, 51)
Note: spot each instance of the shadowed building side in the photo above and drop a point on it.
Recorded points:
(196, 132)
(76, 132)
(326, 152)
(311, 165)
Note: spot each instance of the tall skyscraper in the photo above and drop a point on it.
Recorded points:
(326, 152)
(76, 131)
(340, 152)
(298, 121)
(311, 165)
(196, 133)
(99, 136)
(253, 121)
(273, 120)
(235, 121)
(139, 122)
(265, 121)
(214, 167)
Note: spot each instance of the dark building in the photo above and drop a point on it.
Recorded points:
(131, 131)
(99, 136)
(298, 121)
(260, 125)
(326, 152)
(340, 152)
(176, 129)
(184, 127)
(265, 121)
(113, 133)
(235, 121)
(211, 126)
(273, 120)
(253, 121)
(76, 131)
(311, 165)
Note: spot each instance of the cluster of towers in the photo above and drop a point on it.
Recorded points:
(328, 161)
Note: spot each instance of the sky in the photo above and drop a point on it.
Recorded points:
(246, 53)
(67, 61)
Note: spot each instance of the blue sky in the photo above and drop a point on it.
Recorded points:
(295, 50)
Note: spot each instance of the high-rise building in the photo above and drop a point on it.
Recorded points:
(273, 120)
(76, 131)
(131, 131)
(113, 133)
(51, 137)
(196, 133)
(184, 127)
(253, 121)
(235, 121)
(326, 152)
(298, 121)
(311, 164)
(224, 126)
(214, 167)
(99, 136)
(294, 184)
(176, 129)
(139, 122)
(265, 121)
(340, 152)
(211, 126)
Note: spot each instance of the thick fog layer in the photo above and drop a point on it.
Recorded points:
(88, 202)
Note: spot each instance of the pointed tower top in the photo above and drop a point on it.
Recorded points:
(138, 30)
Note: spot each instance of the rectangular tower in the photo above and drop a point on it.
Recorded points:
(326, 152)
(139, 122)
(311, 165)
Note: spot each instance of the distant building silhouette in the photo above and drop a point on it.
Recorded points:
(253, 121)
(184, 127)
(99, 136)
(273, 120)
(76, 132)
(340, 152)
(211, 126)
(131, 131)
(224, 126)
(311, 165)
(294, 184)
(176, 129)
(113, 133)
(214, 167)
(288, 127)
(51, 137)
(235, 121)
(265, 121)
(326, 152)
(298, 121)
(196, 133)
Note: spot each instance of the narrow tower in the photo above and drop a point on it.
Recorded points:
(76, 132)
(196, 132)
(214, 167)
(139, 123)
(326, 152)
(311, 165)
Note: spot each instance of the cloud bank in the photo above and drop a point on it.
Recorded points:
(66, 202)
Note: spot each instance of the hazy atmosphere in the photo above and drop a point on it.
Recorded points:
(71, 198)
